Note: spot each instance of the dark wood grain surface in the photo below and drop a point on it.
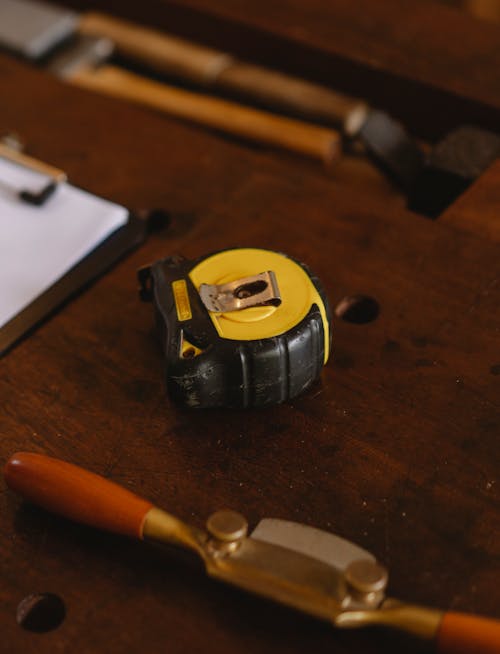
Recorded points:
(395, 448)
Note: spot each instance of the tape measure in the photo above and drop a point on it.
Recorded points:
(240, 328)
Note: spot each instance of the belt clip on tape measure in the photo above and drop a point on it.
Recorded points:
(234, 336)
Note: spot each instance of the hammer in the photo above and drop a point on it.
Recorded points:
(383, 138)
(84, 65)
(34, 30)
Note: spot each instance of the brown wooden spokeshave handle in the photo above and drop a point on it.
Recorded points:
(76, 494)
(460, 633)
(85, 497)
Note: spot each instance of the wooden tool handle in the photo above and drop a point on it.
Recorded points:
(285, 92)
(187, 60)
(468, 634)
(76, 493)
(165, 53)
(318, 142)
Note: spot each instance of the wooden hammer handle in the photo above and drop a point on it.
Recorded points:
(188, 60)
(76, 494)
(311, 140)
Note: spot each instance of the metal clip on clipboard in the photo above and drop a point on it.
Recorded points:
(37, 196)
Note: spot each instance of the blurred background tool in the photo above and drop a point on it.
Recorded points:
(384, 139)
(34, 30)
(451, 167)
(310, 570)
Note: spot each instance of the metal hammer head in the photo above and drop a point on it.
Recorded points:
(392, 148)
(452, 165)
(33, 29)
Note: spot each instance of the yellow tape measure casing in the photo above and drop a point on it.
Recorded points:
(297, 291)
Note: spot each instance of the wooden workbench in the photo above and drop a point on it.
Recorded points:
(396, 448)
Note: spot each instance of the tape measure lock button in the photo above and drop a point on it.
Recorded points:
(240, 328)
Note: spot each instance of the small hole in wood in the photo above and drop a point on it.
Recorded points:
(357, 309)
(156, 219)
(40, 612)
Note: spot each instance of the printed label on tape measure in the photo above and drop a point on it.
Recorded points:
(182, 300)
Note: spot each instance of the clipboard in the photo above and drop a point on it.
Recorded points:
(44, 194)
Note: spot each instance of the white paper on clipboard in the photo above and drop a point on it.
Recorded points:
(39, 244)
